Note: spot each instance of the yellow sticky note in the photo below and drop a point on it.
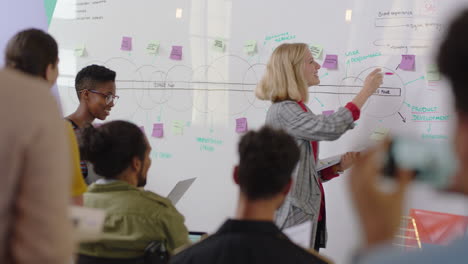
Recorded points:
(379, 133)
(250, 47)
(432, 72)
(178, 128)
(219, 44)
(316, 51)
(153, 47)
(80, 51)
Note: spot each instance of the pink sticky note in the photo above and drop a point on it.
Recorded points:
(126, 44)
(142, 128)
(158, 130)
(328, 112)
(407, 62)
(176, 53)
(241, 125)
(331, 62)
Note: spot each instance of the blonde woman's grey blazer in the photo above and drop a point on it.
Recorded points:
(303, 201)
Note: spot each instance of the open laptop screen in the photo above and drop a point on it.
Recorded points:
(196, 236)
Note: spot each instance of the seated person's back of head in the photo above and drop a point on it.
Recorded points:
(120, 153)
(267, 160)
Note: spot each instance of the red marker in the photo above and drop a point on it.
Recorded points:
(389, 73)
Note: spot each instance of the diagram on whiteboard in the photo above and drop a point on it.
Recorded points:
(187, 72)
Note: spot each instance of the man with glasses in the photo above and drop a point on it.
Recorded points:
(95, 88)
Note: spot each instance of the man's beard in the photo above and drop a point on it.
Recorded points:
(141, 180)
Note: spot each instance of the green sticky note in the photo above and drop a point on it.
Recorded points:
(80, 51)
(178, 128)
(250, 47)
(153, 48)
(219, 44)
(379, 133)
(432, 73)
(316, 51)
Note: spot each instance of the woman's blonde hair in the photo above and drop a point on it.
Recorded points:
(284, 76)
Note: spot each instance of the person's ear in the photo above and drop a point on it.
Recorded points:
(84, 95)
(235, 174)
(136, 164)
(51, 73)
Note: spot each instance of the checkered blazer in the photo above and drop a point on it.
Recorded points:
(303, 201)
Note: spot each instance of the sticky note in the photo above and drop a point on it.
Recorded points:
(432, 72)
(80, 51)
(241, 125)
(250, 47)
(153, 47)
(379, 133)
(219, 44)
(328, 112)
(316, 51)
(126, 44)
(407, 62)
(178, 128)
(176, 53)
(142, 128)
(331, 62)
(158, 130)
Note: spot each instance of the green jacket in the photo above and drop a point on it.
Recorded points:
(134, 219)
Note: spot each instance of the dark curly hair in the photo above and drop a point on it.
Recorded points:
(267, 160)
(112, 146)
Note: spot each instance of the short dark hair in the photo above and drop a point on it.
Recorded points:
(267, 160)
(92, 74)
(31, 51)
(112, 146)
(452, 59)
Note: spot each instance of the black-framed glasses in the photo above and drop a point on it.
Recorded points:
(110, 98)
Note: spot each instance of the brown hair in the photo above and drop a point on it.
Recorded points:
(31, 51)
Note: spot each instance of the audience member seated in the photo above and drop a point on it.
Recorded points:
(120, 152)
(267, 160)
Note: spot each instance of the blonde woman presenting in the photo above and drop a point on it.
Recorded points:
(291, 70)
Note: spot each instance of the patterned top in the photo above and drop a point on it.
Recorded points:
(83, 164)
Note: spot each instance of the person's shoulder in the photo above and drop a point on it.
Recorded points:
(285, 107)
(306, 255)
(285, 103)
(31, 91)
(288, 106)
(202, 249)
(156, 198)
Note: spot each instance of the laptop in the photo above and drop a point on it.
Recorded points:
(179, 190)
(196, 236)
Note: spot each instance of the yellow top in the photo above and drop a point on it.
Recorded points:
(78, 184)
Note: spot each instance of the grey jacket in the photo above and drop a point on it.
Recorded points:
(303, 201)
